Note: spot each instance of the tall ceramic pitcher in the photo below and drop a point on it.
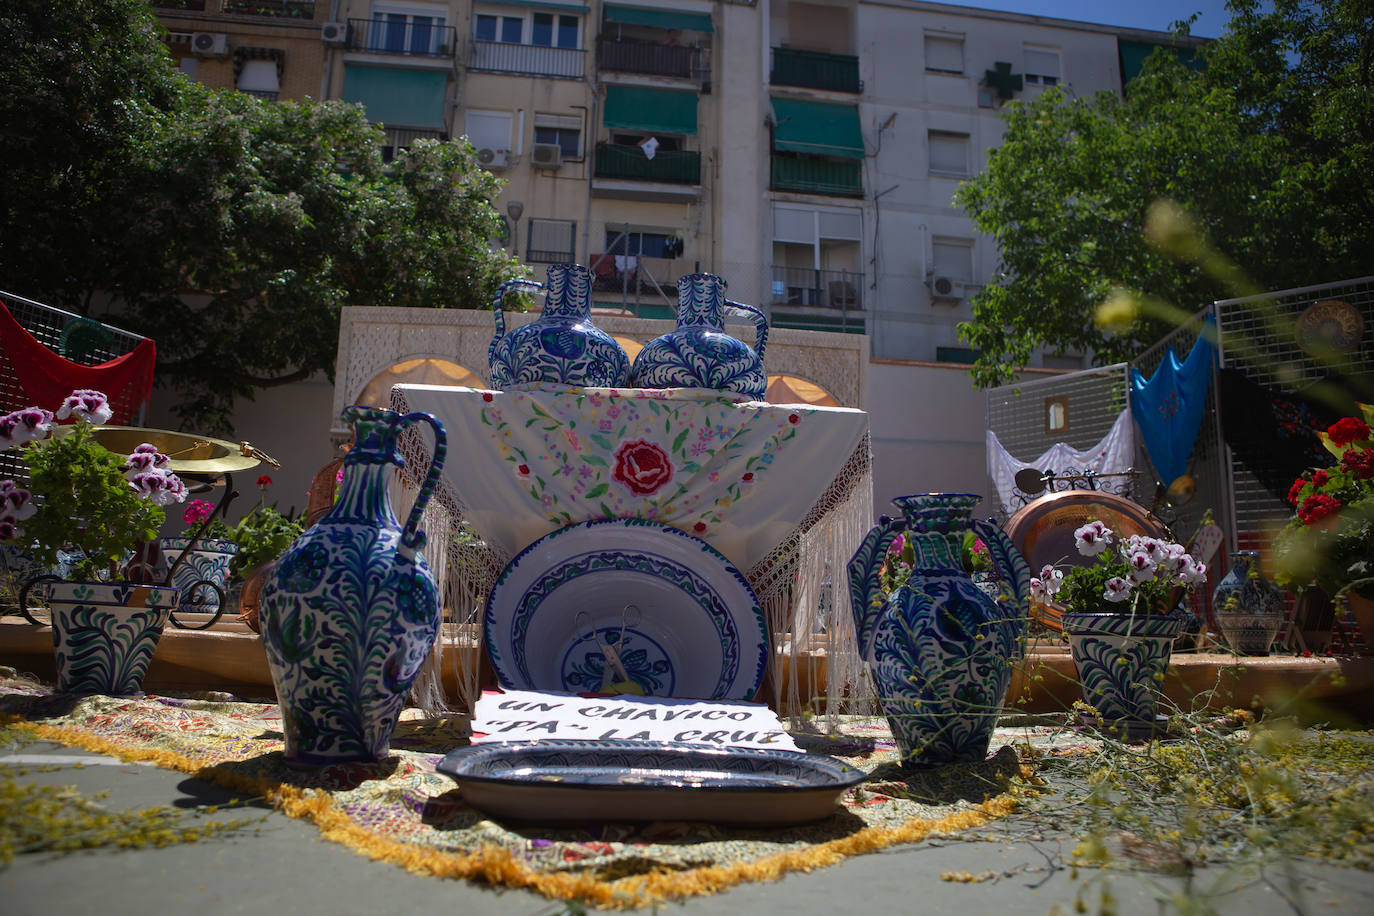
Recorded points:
(698, 353)
(562, 345)
(350, 613)
(940, 649)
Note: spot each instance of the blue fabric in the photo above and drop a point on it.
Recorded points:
(1168, 408)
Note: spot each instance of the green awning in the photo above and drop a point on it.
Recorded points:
(657, 111)
(659, 19)
(818, 128)
(397, 97)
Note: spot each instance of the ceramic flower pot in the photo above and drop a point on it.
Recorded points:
(1121, 660)
(104, 634)
(1248, 607)
(350, 611)
(562, 346)
(940, 649)
(698, 353)
(202, 574)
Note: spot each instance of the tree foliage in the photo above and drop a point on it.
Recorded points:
(229, 229)
(1269, 149)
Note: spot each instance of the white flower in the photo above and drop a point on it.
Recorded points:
(1117, 589)
(1142, 566)
(145, 458)
(23, 426)
(1092, 538)
(1051, 580)
(161, 488)
(91, 406)
(1191, 572)
(9, 528)
(1037, 591)
(16, 503)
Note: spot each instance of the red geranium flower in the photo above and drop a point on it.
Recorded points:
(1347, 430)
(1319, 478)
(642, 466)
(1317, 507)
(264, 481)
(1295, 491)
(1359, 462)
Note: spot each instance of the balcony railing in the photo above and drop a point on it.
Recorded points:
(189, 5)
(500, 57)
(400, 138)
(681, 166)
(647, 57)
(417, 39)
(835, 177)
(816, 70)
(825, 289)
(280, 9)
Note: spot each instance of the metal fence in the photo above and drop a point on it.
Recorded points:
(537, 60)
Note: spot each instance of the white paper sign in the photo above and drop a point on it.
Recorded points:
(529, 715)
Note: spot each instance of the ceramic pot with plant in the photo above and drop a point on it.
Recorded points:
(1329, 543)
(93, 506)
(199, 566)
(261, 536)
(1118, 620)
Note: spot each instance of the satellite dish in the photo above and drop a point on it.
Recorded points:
(1029, 481)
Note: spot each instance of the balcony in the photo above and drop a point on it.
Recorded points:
(535, 60)
(833, 177)
(806, 287)
(416, 39)
(277, 9)
(629, 163)
(647, 57)
(816, 70)
(193, 6)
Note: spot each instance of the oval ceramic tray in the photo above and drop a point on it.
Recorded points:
(562, 781)
(680, 620)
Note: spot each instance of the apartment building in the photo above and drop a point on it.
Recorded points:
(806, 151)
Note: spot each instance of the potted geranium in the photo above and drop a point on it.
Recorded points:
(1118, 619)
(199, 561)
(1329, 543)
(261, 536)
(92, 505)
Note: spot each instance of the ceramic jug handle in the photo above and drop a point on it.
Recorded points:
(760, 322)
(500, 316)
(1006, 559)
(411, 535)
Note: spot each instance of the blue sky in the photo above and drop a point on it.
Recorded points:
(1140, 14)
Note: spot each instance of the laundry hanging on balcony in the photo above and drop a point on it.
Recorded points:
(650, 147)
(45, 378)
(1169, 406)
(1112, 454)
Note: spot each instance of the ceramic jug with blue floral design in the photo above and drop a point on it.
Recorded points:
(351, 611)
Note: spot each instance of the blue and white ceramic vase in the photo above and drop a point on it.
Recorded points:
(350, 612)
(202, 573)
(939, 648)
(104, 633)
(699, 354)
(561, 346)
(1121, 660)
(1248, 607)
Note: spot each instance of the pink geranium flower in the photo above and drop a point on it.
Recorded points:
(86, 404)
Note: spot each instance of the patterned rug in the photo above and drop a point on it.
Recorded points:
(402, 811)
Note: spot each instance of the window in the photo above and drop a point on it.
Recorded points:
(961, 355)
(551, 241)
(563, 130)
(259, 77)
(1056, 415)
(406, 28)
(489, 129)
(952, 258)
(948, 153)
(1042, 66)
(639, 243)
(944, 54)
(548, 30)
(187, 65)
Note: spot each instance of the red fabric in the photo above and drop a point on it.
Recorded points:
(46, 378)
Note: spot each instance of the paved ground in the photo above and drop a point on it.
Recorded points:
(283, 867)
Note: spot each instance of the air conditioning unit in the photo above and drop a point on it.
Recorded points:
(946, 288)
(210, 44)
(334, 33)
(547, 156)
(493, 159)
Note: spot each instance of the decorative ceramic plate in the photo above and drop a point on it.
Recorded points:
(561, 781)
(615, 600)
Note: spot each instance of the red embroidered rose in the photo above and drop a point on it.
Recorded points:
(793, 419)
(642, 466)
(1295, 491)
(486, 396)
(699, 527)
(1347, 430)
(748, 477)
(1317, 507)
(523, 470)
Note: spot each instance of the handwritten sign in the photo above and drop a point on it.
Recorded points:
(529, 715)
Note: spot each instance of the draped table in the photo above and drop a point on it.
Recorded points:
(783, 491)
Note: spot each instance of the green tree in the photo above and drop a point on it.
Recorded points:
(1248, 147)
(229, 229)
